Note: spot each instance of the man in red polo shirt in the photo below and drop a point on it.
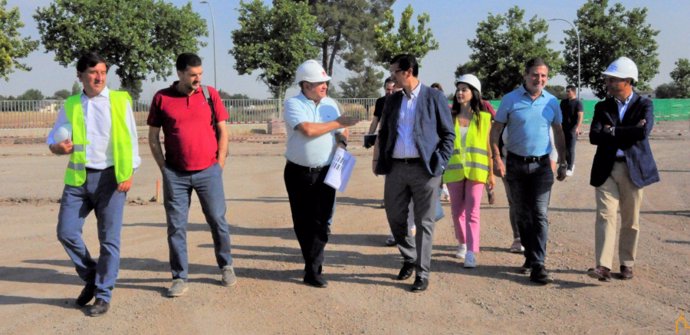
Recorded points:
(194, 160)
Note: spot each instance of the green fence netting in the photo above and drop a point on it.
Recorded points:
(664, 109)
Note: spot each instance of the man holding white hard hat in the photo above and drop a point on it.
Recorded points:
(97, 129)
(314, 130)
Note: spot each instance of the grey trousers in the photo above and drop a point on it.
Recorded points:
(410, 181)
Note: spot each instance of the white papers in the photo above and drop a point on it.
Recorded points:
(341, 169)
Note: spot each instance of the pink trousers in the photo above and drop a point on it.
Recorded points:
(465, 200)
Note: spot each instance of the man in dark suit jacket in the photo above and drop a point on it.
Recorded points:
(413, 147)
(622, 166)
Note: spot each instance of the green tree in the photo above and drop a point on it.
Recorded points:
(61, 94)
(12, 46)
(347, 29)
(502, 46)
(667, 91)
(274, 40)
(31, 94)
(557, 90)
(365, 85)
(139, 37)
(417, 42)
(76, 88)
(605, 36)
(681, 77)
(225, 95)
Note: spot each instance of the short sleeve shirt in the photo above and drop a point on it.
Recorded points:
(301, 149)
(529, 121)
(190, 140)
(378, 107)
(569, 109)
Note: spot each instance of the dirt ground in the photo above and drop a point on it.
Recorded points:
(38, 284)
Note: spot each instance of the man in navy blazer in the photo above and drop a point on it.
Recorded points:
(413, 147)
(623, 165)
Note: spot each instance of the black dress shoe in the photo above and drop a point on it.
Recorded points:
(406, 271)
(420, 284)
(316, 281)
(540, 276)
(86, 294)
(526, 268)
(99, 307)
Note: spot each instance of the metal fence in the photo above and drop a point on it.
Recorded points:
(15, 114)
(26, 114)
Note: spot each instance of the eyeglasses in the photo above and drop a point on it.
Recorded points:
(393, 73)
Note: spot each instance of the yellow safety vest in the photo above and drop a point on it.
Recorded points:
(470, 161)
(75, 175)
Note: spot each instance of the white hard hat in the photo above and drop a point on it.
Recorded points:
(311, 71)
(471, 80)
(623, 68)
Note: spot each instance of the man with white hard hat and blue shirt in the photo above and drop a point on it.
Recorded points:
(623, 165)
(314, 131)
(97, 129)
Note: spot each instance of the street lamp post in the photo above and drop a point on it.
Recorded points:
(577, 35)
(213, 30)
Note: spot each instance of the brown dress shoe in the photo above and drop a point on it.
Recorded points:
(600, 272)
(626, 273)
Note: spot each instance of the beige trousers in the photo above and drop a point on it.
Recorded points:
(617, 191)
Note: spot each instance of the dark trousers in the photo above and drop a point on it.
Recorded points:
(405, 182)
(530, 190)
(570, 141)
(312, 203)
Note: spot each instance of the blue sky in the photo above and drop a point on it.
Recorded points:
(453, 22)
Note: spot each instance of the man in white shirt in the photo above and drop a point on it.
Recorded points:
(412, 150)
(104, 153)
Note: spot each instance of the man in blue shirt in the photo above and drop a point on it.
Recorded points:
(528, 112)
(313, 123)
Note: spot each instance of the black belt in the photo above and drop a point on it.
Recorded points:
(407, 160)
(306, 168)
(88, 169)
(528, 159)
(620, 158)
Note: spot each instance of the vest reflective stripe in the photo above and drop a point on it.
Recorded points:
(477, 151)
(470, 161)
(75, 174)
(76, 166)
(477, 166)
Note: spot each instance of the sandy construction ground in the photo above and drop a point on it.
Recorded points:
(38, 283)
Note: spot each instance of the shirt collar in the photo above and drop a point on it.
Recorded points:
(174, 88)
(525, 92)
(105, 93)
(626, 100)
(415, 91)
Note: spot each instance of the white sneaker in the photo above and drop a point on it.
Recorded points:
(517, 247)
(470, 261)
(570, 171)
(462, 250)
